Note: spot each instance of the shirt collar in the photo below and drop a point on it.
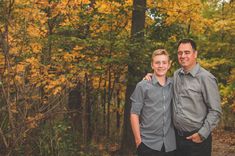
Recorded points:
(193, 71)
(155, 81)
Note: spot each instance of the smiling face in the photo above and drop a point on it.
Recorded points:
(187, 56)
(160, 64)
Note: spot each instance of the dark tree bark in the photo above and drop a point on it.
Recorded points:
(104, 107)
(75, 106)
(137, 36)
(87, 125)
(118, 116)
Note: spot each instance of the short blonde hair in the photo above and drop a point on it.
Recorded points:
(160, 52)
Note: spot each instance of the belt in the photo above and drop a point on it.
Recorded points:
(185, 133)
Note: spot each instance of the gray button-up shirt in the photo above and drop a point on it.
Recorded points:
(196, 102)
(153, 103)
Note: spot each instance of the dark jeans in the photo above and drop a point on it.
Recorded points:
(189, 148)
(144, 150)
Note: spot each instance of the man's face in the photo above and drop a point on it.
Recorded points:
(160, 65)
(186, 56)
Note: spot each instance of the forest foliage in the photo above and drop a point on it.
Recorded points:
(64, 65)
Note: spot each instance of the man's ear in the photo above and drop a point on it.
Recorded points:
(195, 53)
(170, 62)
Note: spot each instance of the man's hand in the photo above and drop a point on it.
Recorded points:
(195, 138)
(138, 142)
(148, 76)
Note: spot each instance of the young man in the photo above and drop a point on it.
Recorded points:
(151, 110)
(196, 103)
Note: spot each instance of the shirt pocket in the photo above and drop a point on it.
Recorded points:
(194, 89)
(195, 93)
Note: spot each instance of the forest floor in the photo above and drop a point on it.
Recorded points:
(223, 143)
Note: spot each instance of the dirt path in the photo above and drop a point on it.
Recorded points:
(223, 143)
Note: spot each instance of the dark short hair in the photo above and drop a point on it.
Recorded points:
(188, 40)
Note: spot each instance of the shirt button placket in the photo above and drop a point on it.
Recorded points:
(164, 110)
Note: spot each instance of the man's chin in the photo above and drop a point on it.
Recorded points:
(160, 74)
(183, 64)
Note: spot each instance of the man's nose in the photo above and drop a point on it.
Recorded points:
(183, 54)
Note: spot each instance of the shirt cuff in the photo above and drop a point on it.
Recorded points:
(204, 132)
(136, 108)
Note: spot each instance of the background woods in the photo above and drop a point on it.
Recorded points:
(68, 67)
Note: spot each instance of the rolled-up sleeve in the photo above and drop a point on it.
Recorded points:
(137, 99)
(211, 98)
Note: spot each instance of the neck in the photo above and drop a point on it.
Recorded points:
(161, 79)
(186, 70)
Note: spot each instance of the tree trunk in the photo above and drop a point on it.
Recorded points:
(189, 28)
(137, 36)
(11, 143)
(104, 107)
(87, 127)
(75, 106)
(109, 99)
(118, 109)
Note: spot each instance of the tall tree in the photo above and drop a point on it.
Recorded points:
(137, 38)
